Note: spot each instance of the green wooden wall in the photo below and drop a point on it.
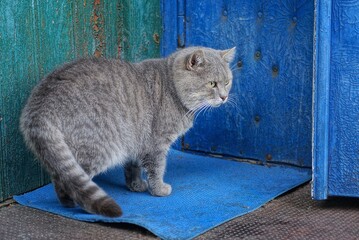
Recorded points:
(38, 35)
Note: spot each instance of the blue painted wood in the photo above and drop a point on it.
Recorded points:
(171, 10)
(18, 71)
(271, 120)
(336, 100)
(181, 23)
(321, 99)
(343, 154)
(169, 27)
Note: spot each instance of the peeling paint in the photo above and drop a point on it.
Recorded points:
(140, 28)
(97, 21)
(156, 38)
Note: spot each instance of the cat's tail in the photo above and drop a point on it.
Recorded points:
(48, 143)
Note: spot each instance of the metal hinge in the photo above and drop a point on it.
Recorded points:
(181, 23)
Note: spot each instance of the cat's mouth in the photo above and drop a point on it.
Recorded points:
(218, 102)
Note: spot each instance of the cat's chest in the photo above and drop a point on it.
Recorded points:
(173, 129)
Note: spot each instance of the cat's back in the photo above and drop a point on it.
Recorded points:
(80, 88)
(88, 73)
(84, 78)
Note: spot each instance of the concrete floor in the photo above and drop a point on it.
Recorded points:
(292, 216)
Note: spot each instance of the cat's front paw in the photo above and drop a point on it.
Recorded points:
(137, 186)
(162, 190)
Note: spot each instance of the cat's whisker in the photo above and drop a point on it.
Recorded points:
(195, 117)
(233, 98)
(233, 103)
(189, 113)
(202, 109)
(233, 66)
(230, 100)
(235, 69)
(209, 108)
(195, 109)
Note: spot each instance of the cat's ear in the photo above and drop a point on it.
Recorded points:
(195, 60)
(228, 55)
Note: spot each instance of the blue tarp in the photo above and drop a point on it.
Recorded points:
(207, 191)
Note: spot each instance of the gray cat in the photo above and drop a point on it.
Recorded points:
(93, 114)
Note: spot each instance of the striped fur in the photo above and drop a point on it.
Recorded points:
(92, 114)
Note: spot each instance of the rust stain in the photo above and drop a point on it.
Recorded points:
(95, 18)
(275, 71)
(98, 22)
(156, 38)
(179, 41)
(97, 53)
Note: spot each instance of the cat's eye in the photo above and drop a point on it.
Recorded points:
(227, 82)
(212, 84)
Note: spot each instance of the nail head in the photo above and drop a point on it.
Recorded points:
(275, 68)
(257, 54)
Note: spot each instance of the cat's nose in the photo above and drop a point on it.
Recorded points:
(223, 98)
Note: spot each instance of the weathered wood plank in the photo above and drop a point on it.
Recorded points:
(85, 44)
(19, 72)
(343, 105)
(35, 37)
(140, 29)
(111, 28)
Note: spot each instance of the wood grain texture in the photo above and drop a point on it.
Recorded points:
(37, 36)
(19, 72)
(344, 100)
(169, 41)
(140, 29)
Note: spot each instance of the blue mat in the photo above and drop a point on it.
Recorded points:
(206, 192)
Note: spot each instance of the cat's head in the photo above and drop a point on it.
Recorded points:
(202, 76)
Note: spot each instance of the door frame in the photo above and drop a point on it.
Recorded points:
(321, 80)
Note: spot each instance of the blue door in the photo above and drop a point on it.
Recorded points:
(270, 119)
(278, 117)
(336, 99)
